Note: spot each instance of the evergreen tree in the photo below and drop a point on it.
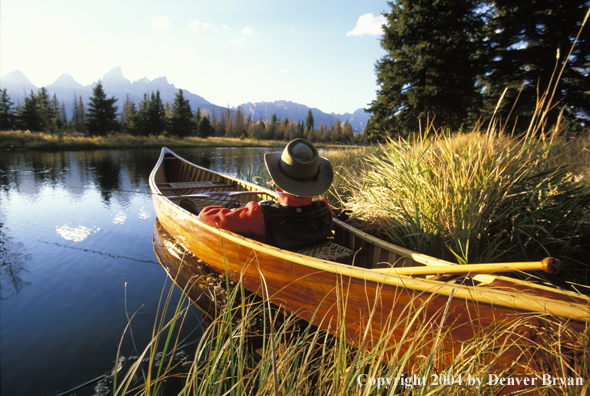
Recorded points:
(205, 128)
(531, 41)
(239, 127)
(58, 121)
(155, 121)
(141, 124)
(431, 66)
(309, 122)
(101, 117)
(227, 122)
(64, 115)
(45, 110)
(7, 116)
(181, 122)
(78, 115)
(197, 120)
(130, 123)
(300, 129)
(30, 117)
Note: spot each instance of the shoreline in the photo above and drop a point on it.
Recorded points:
(40, 141)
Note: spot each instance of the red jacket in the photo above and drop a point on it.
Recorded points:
(249, 220)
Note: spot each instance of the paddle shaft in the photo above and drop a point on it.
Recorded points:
(550, 265)
(207, 195)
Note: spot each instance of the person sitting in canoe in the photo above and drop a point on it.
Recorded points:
(296, 219)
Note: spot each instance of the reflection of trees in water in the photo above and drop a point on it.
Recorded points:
(12, 266)
(106, 171)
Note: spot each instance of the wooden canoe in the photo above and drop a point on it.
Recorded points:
(351, 282)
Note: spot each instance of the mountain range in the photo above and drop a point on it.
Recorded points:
(115, 84)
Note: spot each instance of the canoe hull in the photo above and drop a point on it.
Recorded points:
(391, 313)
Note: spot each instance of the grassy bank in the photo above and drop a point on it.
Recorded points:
(18, 140)
(255, 349)
(474, 198)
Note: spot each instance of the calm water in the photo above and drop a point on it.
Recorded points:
(75, 228)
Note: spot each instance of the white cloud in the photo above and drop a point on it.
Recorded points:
(226, 27)
(241, 40)
(160, 23)
(194, 25)
(247, 31)
(368, 24)
(207, 25)
(283, 71)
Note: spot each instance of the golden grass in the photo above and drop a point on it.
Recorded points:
(13, 140)
(478, 197)
(254, 349)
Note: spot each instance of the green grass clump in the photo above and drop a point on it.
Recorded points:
(479, 197)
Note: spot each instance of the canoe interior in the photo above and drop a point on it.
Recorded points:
(176, 178)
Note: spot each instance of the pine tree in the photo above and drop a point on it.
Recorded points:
(141, 124)
(181, 122)
(78, 115)
(531, 41)
(431, 66)
(57, 121)
(205, 128)
(239, 127)
(155, 121)
(7, 116)
(30, 117)
(45, 110)
(130, 122)
(101, 116)
(227, 122)
(309, 122)
(197, 120)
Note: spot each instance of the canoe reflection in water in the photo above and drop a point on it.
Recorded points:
(205, 287)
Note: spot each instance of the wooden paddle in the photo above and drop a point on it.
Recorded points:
(208, 195)
(550, 265)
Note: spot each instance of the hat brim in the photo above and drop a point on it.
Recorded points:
(310, 188)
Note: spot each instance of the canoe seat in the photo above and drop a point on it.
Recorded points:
(327, 251)
(192, 184)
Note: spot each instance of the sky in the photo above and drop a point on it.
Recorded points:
(317, 53)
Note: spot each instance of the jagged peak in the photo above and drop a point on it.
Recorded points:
(114, 74)
(16, 76)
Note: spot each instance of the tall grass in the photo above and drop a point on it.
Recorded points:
(479, 197)
(255, 349)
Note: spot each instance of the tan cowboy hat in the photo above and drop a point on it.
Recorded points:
(299, 170)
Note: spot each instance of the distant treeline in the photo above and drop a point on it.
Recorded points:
(151, 117)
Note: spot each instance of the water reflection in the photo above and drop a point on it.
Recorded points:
(205, 287)
(13, 269)
(106, 173)
(76, 232)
